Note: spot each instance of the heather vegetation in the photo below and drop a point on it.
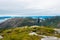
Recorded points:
(22, 33)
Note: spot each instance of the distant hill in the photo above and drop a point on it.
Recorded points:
(53, 22)
(29, 21)
(18, 22)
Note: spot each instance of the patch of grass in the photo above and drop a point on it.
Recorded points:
(22, 33)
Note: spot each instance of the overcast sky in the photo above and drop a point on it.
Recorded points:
(29, 7)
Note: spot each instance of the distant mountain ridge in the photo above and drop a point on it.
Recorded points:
(53, 21)
(4, 18)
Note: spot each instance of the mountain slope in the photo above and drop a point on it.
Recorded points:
(29, 21)
(17, 22)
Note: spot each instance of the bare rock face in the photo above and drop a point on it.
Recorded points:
(50, 38)
(1, 37)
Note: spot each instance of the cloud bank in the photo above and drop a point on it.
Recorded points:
(29, 7)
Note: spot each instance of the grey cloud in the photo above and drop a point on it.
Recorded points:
(29, 7)
(29, 12)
